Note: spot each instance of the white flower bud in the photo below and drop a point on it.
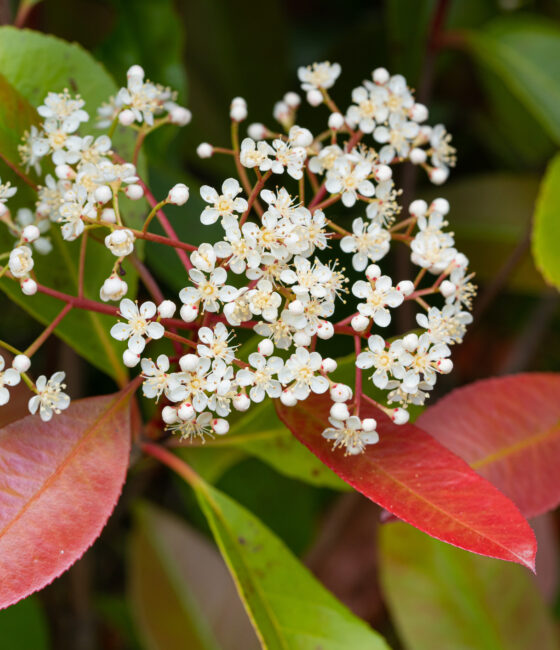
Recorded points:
(189, 313)
(461, 261)
(188, 362)
(288, 398)
(220, 426)
(406, 287)
(301, 339)
(257, 131)
(108, 215)
(369, 424)
(30, 234)
(113, 289)
(438, 175)
(166, 309)
(292, 99)
(336, 121)
(359, 323)
(325, 330)
(419, 113)
(382, 173)
(340, 393)
(281, 112)
(169, 415)
(440, 205)
(445, 366)
(328, 365)
(373, 272)
(180, 116)
(204, 150)
(447, 288)
(126, 117)
(418, 208)
(186, 412)
(300, 137)
(381, 75)
(339, 411)
(21, 363)
(238, 109)
(64, 172)
(43, 245)
(21, 261)
(178, 194)
(120, 242)
(410, 342)
(314, 97)
(400, 416)
(417, 156)
(29, 287)
(241, 402)
(135, 71)
(130, 358)
(134, 191)
(103, 194)
(296, 307)
(266, 347)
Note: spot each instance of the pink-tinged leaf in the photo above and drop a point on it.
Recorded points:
(59, 482)
(412, 475)
(508, 430)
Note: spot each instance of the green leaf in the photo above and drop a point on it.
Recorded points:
(546, 225)
(24, 626)
(443, 597)
(181, 593)
(16, 114)
(524, 52)
(34, 64)
(289, 608)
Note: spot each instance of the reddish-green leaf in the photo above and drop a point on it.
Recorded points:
(59, 482)
(508, 430)
(420, 481)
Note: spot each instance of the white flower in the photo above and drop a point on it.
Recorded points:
(210, 291)
(137, 326)
(350, 435)
(64, 109)
(24, 218)
(443, 154)
(319, 75)
(370, 106)
(447, 325)
(263, 300)
(369, 241)
(9, 377)
(300, 369)
(113, 289)
(288, 158)
(256, 154)
(223, 205)
(20, 261)
(421, 358)
(398, 136)
(378, 297)
(432, 248)
(382, 359)
(192, 386)
(191, 429)
(349, 181)
(76, 205)
(157, 377)
(50, 398)
(261, 380)
(325, 159)
(215, 343)
(120, 242)
(383, 208)
(6, 192)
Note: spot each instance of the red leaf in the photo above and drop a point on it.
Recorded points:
(421, 482)
(508, 430)
(59, 482)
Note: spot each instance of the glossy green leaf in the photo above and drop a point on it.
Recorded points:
(34, 64)
(524, 52)
(442, 597)
(546, 227)
(24, 626)
(289, 608)
(181, 592)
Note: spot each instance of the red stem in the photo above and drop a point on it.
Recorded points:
(47, 332)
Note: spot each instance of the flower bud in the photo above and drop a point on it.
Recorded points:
(373, 272)
(188, 362)
(314, 97)
(400, 416)
(445, 366)
(166, 309)
(120, 242)
(418, 208)
(220, 426)
(301, 339)
(135, 71)
(336, 121)
(281, 112)
(438, 175)
(359, 323)
(238, 109)
(186, 412)
(266, 347)
(418, 113)
(325, 330)
(296, 307)
(293, 100)
(103, 194)
(440, 205)
(447, 288)
(241, 402)
(113, 289)
(340, 393)
(108, 215)
(178, 194)
(204, 150)
(29, 287)
(300, 137)
(410, 342)
(130, 358)
(169, 415)
(417, 156)
(134, 191)
(126, 117)
(328, 365)
(381, 76)
(21, 363)
(180, 116)
(64, 172)
(30, 233)
(189, 313)
(368, 425)
(339, 411)
(406, 287)
(288, 398)
(382, 173)
(257, 131)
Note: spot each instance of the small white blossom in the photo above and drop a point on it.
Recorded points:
(349, 433)
(138, 325)
(319, 75)
(50, 397)
(223, 205)
(8, 377)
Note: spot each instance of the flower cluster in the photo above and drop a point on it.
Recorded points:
(270, 270)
